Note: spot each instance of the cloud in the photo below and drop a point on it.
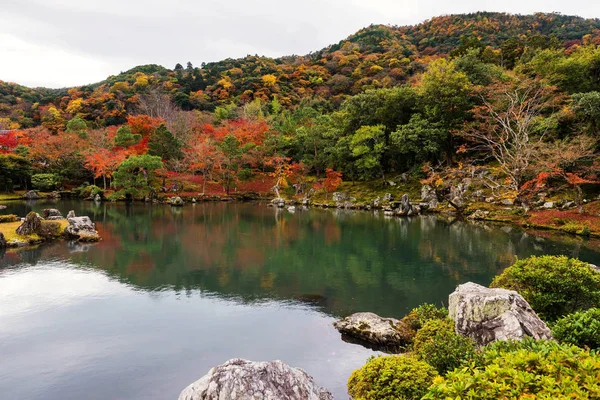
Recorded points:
(71, 42)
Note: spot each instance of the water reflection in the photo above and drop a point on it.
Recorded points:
(340, 262)
(169, 293)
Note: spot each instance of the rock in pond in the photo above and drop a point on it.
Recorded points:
(51, 214)
(31, 195)
(372, 329)
(82, 228)
(486, 315)
(278, 202)
(176, 201)
(248, 380)
(31, 224)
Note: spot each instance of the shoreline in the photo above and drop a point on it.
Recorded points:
(496, 214)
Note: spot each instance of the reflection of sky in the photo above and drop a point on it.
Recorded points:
(75, 334)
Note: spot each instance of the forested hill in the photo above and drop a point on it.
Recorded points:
(375, 57)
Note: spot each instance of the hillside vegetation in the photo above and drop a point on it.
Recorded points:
(502, 108)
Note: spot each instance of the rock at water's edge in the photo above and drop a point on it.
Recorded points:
(372, 329)
(82, 228)
(31, 195)
(247, 380)
(176, 201)
(51, 214)
(30, 225)
(486, 315)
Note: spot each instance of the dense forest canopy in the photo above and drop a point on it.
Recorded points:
(517, 92)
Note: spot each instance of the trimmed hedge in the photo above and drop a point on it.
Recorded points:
(553, 286)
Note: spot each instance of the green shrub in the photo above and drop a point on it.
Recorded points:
(440, 346)
(86, 190)
(553, 286)
(416, 318)
(391, 378)
(245, 174)
(9, 218)
(45, 182)
(49, 229)
(513, 370)
(581, 329)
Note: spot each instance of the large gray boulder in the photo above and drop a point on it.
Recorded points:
(83, 229)
(31, 195)
(371, 328)
(31, 224)
(486, 315)
(51, 214)
(247, 380)
(429, 197)
(339, 197)
(176, 201)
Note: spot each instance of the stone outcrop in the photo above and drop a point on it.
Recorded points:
(429, 196)
(247, 380)
(82, 228)
(340, 197)
(51, 214)
(406, 208)
(176, 201)
(31, 195)
(486, 315)
(371, 328)
(278, 202)
(31, 224)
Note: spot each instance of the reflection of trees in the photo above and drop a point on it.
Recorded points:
(342, 262)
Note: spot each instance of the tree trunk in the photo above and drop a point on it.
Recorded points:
(579, 199)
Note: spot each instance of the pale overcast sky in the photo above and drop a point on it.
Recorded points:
(58, 43)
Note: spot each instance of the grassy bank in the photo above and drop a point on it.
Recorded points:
(8, 229)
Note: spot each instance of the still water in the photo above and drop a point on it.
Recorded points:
(169, 293)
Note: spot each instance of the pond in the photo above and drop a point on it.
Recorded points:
(171, 292)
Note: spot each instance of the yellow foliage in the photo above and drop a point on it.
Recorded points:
(74, 106)
(120, 87)
(141, 81)
(225, 82)
(269, 80)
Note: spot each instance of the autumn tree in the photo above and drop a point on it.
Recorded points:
(8, 142)
(204, 156)
(511, 124)
(103, 163)
(333, 179)
(571, 160)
